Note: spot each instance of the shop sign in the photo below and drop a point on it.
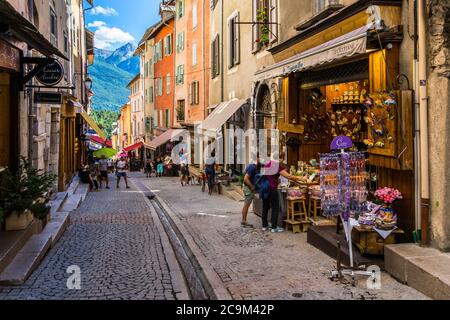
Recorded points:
(9, 57)
(48, 97)
(51, 74)
(341, 142)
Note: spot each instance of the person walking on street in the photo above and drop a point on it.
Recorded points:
(160, 167)
(210, 171)
(148, 168)
(121, 167)
(103, 166)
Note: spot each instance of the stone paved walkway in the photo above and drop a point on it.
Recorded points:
(113, 239)
(257, 265)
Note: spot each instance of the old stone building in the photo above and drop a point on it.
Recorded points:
(439, 120)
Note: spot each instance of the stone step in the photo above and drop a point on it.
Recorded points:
(83, 190)
(232, 194)
(57, 202)
(56, 227)
(72, 203)
(26, 261)
(12, 242)
(424, 269)
(73, 185)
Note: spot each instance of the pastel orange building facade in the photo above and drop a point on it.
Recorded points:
(164, 74)
(197, 59)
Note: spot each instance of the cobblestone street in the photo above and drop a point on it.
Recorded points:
(115, 241)
(256, 265)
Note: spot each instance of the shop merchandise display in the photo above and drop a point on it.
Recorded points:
(343, 180)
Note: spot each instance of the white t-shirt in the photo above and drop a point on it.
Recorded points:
(121, 165)
(103, 165)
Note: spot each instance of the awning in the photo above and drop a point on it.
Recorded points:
(169, 135)
(133, 147)
(100, 141)
(25, 31)
(350, 44)
(221, 114)
(76, 105)
(93, 125)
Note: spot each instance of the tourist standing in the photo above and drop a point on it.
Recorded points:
(103, 166)
(121, 167)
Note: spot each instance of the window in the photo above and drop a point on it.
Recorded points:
(215, 57)
(263, 35)
(159, 86)
(180, 74)
(146, 70)
(66, 43)
(180, 9)
(180, 42)
(194, 54)
(194, 92)
(53, 27)
(234, 41)
(168, 84)
(150, 95)
(158, 51)
(180, 110)
(194, 16)
(167, 118)
(168, 45)
(150, 68)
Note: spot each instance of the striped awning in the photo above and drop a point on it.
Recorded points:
(221, 114)
(348, 45)
(93, 125)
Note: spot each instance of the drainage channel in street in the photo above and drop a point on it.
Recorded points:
(198, 284)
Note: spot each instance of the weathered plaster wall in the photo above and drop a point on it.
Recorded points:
(439, 121)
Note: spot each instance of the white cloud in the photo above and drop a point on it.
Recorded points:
(97, 24)
(103, 11)
(108, 38)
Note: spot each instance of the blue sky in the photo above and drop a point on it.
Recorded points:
(116, 22)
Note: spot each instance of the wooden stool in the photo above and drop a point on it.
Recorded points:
(297, 218)
(314, 206)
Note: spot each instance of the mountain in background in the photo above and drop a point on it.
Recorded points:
(111, 73)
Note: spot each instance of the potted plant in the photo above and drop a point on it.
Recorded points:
(262, 17)
(387, 196)
(41, 211)
(19, 191)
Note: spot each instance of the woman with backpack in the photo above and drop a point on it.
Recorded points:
(262, 178)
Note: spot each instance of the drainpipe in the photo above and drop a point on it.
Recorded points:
(204, 58)
(423, 122)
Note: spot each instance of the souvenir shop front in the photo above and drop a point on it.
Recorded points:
(346, 90)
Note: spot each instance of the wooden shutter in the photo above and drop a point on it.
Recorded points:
(230, 43)
(273, 18)
(237, 41)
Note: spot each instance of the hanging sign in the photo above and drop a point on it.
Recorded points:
(341, 142)
(51, 74)
(48, 97)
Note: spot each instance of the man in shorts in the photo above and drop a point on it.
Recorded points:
(121, 171)
(249, 191)
(103, 165)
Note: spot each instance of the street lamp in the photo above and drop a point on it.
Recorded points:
(88, 84)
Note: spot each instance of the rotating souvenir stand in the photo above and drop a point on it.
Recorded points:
(343, 189)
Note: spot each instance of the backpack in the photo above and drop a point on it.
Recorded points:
(262, 186)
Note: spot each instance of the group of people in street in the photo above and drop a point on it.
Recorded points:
(98, 173)
(262, 178)
(154, 167)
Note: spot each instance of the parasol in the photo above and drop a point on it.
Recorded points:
(107, 152)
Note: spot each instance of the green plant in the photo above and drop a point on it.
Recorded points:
(40, 210)
(20, 189)
(262, 17)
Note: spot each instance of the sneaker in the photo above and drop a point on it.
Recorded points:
(246, 225)
(265, 229)
(277, 230)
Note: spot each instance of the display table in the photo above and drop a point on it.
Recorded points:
(369, 241)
